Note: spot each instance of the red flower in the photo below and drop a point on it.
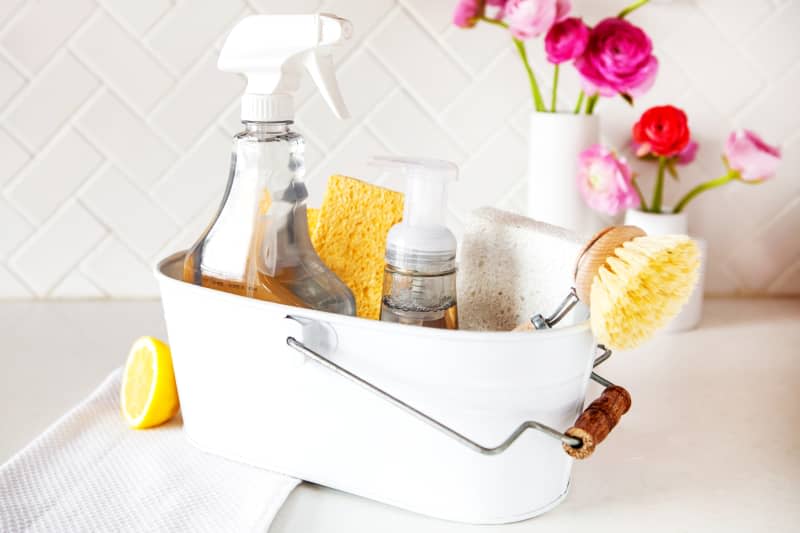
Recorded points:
(662, 131)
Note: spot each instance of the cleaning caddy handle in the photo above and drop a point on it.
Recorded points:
(597, 421)
(579, 441)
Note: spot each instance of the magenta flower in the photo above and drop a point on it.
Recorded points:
(531, 18)
(618, 59)
(466, 13)
(688, 154)
(566, 40)
(605, 181)
(750, 156)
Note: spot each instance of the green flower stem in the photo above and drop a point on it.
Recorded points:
(580, 102)
(707, 186)
(494, 21)
(642, 203)
(555, 90)
(537, 96)
(590, 103)
(658, 193)
(631, 8)
(523, 54)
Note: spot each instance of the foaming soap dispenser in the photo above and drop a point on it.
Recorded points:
(419, 284)
(258, 244)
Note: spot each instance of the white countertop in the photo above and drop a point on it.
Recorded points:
(710, 444)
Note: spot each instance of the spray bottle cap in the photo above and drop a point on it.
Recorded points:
(272, 51)
(422, 242)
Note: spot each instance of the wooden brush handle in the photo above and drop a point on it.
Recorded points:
(597, 421)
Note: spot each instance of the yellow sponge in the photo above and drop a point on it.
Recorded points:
(350, 236)
(312, 214)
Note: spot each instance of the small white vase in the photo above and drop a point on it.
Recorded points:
(555, 141)
(658, 224)
(676, 224)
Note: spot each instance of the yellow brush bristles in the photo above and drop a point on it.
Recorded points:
(641, 287)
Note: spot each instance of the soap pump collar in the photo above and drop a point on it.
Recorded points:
(421, 242)
(273, 50)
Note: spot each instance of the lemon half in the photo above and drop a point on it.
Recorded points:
(148, 396)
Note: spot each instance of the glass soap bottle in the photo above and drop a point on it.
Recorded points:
(419, 284)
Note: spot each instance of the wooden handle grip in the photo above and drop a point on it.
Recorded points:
(597, 421)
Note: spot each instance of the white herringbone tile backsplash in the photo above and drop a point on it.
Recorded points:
(115, 125)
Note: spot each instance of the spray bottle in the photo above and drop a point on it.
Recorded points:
(258, 244)
(419, 284)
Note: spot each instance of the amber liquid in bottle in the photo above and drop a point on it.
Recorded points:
(266, 288)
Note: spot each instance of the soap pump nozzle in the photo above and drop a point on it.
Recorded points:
(421, 242)
(273, 50)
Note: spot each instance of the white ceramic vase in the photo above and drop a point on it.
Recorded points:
(672, 224)
(555, 141)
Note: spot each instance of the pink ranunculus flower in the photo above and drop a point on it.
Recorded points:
(466, 13)
(618, 59)
(531, 18)
(563, 7)
(566, 40)
(688, 154)
(748, 154)
(605, 180)
(496, 9)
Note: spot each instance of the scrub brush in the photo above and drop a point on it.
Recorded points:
(633, 283)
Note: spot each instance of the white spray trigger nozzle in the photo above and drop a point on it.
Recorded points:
(273, 50)
(320, 66)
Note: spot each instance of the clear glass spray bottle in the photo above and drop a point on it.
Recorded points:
(258, 245)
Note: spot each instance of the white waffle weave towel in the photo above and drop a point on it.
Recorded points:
(89, 472)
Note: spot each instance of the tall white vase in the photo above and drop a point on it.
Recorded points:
(670, 224)
(555, 141)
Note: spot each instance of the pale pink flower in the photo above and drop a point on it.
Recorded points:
(496, 9)
(605, 181)
(748, 154)
(531, 18)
